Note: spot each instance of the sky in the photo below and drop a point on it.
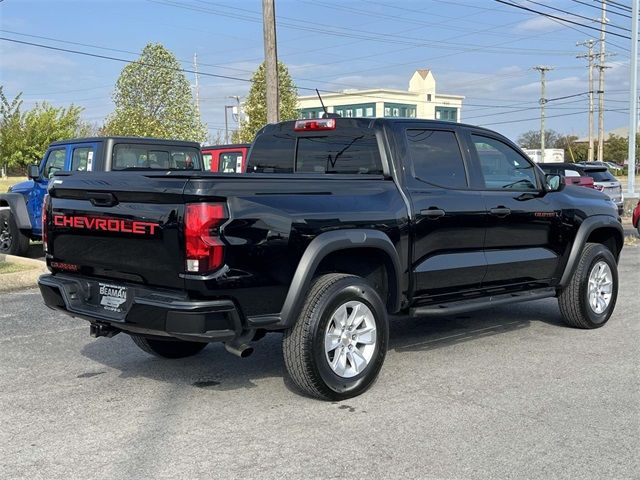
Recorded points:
(482, 49)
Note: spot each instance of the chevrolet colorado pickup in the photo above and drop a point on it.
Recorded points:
(338, 224)
(21, 206)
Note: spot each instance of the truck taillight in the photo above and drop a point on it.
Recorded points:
(315, 124)
(204, 248)
(45, 218)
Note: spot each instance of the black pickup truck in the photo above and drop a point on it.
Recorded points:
(338, 224)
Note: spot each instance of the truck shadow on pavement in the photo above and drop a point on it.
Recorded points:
(214, 369)
(423, 334)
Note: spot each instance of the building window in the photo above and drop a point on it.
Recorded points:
(449, 114)
(399, 110)
(428, 97)
(311, 113)
(357, 110)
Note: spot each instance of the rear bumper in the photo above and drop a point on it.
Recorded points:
(146, 311)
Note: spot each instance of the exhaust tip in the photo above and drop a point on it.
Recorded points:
(239, 350)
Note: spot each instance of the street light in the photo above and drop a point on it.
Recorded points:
(226, 122)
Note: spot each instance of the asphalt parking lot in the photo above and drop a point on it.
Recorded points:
(505, 393)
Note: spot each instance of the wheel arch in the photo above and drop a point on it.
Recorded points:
(343, 251)
(17, 204)
(601, 229)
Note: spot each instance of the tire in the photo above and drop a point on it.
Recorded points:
(12, 240)
(574, 300)
(335, 301)
(168, 348)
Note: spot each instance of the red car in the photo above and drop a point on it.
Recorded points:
(226, 158)
(635, 219)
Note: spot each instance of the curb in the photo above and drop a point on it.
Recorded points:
(11, 282)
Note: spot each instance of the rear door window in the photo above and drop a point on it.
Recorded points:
(82, 159)
(230, 162)
(436, 158)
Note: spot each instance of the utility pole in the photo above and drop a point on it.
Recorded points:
(270, 59)
(601, 67)
(589, 56)
(543, 100)
(195, 69)
(237, 99)
(633, 100)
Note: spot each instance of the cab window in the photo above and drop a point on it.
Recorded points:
(502, 166)
(230, 162)
(82, 159)
(55, 162)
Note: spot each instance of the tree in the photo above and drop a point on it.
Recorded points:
(255, 108)
(25, 136)
(153, 99)
(531, 139)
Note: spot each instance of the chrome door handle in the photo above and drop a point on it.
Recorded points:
(500, 211)
(432, 213)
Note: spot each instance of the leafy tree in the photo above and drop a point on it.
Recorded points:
(25, 136)
(153, 99)
(531, 139)
(255, 108)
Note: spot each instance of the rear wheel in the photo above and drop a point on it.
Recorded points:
(338, 344)
(589, 299)
(12, 240)
(168, 348)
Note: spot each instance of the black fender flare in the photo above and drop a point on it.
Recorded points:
(329, 242)
(18, 206)
(588, 226)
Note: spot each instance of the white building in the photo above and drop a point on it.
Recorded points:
(419, 101)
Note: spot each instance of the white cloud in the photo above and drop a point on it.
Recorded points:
(536, 24)
(24, 60)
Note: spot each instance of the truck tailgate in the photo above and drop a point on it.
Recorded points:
(117, 226)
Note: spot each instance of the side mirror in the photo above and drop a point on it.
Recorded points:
(554, 182)
(33, 172)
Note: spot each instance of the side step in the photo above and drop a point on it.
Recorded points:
(461, 306)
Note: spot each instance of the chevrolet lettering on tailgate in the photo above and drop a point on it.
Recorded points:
(105, 224)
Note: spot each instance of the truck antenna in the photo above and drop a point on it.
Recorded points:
(326, 113)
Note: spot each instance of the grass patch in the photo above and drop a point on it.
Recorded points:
(5, 183)
(6, 267)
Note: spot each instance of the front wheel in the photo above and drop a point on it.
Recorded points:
(339, 342)
(12, 240)
(590, 297)
(168, 348)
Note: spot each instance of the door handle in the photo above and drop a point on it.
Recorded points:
(500, 211)
(432, 213)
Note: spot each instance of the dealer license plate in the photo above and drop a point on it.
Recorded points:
(112, 297)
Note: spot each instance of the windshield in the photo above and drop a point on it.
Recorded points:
(155, 157)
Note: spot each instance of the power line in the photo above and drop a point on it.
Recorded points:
(576, 15)
(598, 8)
(548, 15)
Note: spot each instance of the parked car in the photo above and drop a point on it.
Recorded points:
(635, 218)
(226, 158)
(603, 180)
(613, 167)
(340, 223)
(21, 206)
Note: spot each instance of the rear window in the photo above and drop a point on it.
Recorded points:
(338, 154)
(154, 157)
(600, 175)
(280, 153)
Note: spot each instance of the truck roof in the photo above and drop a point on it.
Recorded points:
(228, 145)
(357, 122)
(122, 139)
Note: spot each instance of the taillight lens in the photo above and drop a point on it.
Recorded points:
(204, 248)
(45, 226)
(598, 187)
